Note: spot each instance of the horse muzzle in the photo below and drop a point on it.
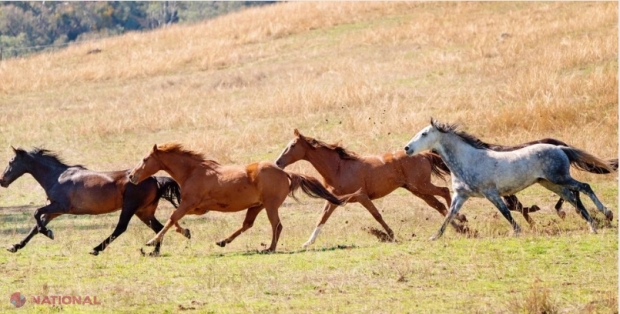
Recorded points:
(408, 151)
(3, 183)
(132, 178)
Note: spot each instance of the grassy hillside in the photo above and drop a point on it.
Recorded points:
(369, 75)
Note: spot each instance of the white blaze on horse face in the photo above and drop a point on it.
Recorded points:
(286, 157)
(422, 141)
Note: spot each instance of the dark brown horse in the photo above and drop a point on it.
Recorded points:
(76, 190)
(208, 186)
(345, 172)
(514, 204)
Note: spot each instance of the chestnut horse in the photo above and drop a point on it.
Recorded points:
(76, 190)
(208, 186)
(377, 176)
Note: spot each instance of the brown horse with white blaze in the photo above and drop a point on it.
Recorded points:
(207, 185)
(345, 172)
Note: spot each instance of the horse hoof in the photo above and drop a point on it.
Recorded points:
(49, 234)
(610, 215)
(221, 243)
(462, 218)
(306, 245)
(12, 249)
(187, 234)
(534, 208)
(151, 242)
(94, 252)
(562, 214)
(433, 238)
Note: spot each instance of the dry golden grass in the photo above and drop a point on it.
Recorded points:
(369, 75)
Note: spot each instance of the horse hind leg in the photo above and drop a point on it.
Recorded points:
(513, 204)
(367, 203)
(123, 221)
(248, 222)
(575, 185)
(569, 196)
(276, 226)
(328, 209)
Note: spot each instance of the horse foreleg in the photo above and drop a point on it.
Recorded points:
(441, 208)
(31, 234)
(50, 209)
(185, 232)
(328, 209)
(457, 202)
(248, 222)
(494, 197)
(174, 218)
(513, 204)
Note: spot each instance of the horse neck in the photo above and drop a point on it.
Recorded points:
(178, 166)
(457, 154)
(46, 173)
(325, 161)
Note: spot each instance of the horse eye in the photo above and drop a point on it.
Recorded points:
(143, 159)
(424, 134)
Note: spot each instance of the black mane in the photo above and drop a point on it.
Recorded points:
(47, 156)
(466, 137)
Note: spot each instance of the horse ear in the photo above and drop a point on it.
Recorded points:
(13, 148)
(433, 122)
(296, 132)
(155, 147)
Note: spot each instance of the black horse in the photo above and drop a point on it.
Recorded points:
(78, 191)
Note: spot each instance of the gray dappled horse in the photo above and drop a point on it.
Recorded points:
(481, 172)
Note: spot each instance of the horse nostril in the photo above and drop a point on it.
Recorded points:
(406, 147)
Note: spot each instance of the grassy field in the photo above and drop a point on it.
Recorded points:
(368, 75)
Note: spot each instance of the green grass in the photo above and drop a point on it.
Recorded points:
(347, 270)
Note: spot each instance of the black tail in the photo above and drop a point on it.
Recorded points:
(169, 190)
(312, 187)
(590, 163)
(438, 166)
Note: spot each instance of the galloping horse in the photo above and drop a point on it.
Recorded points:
(76, 190)
(206, 185)
(345, 172)
(511, 200)
(480, 172)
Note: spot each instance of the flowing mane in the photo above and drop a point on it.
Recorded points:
(341, 151)
(47, 156)
(466, 137)
(177, 148)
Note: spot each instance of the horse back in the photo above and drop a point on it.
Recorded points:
(89, 192)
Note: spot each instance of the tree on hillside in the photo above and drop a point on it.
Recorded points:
(27, 27)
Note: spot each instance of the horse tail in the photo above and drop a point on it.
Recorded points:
(588, 162)
(438, 166)
(312, 187)
(169, 190)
